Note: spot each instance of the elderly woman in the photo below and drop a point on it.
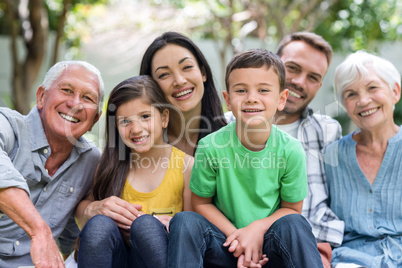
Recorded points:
(364, 168)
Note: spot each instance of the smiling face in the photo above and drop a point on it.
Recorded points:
(305, 70)
(254, 96)
(177, 72)
(369, 102)
(69, 108)
(140, 125)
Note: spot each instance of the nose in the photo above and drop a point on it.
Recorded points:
(75, 102)
(299, 80)
(179, 79)
(136, 127)
(364, 99)
(252, 97)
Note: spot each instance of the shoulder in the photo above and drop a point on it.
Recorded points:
(285, 140)
(337, 150)
(219, 136)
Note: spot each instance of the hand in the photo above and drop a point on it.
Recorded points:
(247, 241)
(45, 253)
(120, 211)
(165, 219)
(261, 263)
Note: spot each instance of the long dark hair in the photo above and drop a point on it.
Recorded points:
(211, 111)
(112, 171)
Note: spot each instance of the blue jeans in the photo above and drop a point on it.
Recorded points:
(101, 244)
(195, 242)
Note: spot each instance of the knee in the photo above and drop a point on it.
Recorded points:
(187, 222)
(145, 224)
(97, 229)
(292, 224)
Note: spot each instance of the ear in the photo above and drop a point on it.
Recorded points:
(283, 96)
(397, 93)
(204, 75)
(165, 118)
(226, 96)
(40, 97)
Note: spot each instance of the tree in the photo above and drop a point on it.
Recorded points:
(31, 21)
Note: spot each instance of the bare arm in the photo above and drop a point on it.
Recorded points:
(17, 205)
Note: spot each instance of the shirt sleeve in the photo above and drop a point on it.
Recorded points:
(203, 175)
(294, 181)
(9, 175)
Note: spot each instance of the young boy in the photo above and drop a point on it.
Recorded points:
(248, 181)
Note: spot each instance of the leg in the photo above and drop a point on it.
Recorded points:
(289, 242)
(193, 239)
(149, 242)
(101, 244)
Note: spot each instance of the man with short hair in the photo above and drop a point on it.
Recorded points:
(47, 166)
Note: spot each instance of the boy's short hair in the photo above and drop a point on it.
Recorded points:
(256, 58)
(312, 39)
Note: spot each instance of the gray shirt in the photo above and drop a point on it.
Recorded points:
(23, 153)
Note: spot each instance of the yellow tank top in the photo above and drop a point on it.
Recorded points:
(167, 199)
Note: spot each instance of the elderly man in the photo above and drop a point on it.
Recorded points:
(46, 166)
(306, 57)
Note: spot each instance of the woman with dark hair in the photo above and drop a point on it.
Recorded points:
(183, 73)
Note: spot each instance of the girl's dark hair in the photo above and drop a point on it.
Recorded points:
(212, 117)
(112, 171)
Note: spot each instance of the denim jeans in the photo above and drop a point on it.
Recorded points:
(101, 244)
(195, 242)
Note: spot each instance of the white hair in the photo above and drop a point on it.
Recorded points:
(58, 69)
(355, 68)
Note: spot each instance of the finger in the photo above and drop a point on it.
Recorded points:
(247, 257)
(229, 240)
(233, 246)
(240, 261)
(264, 260)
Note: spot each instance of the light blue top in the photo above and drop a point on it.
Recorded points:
(372, 213)
(23, 153)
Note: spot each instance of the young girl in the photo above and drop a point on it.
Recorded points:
(140, 183)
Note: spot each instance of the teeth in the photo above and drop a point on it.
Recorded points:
(294, 94)
(69, 118)
(252, 111)
(185, 92)
(140, 139)
(371, 111)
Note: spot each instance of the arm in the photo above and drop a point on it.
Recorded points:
(17, 205)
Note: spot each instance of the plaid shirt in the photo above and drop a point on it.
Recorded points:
(315, 132)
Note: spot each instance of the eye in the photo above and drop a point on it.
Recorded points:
(124, 122)
(349, 95)
(90, 99)
(67, 90)
(264, 90)
(292, 68)
(314, 79)
(240, 90)
(145, 116)
(188, 67)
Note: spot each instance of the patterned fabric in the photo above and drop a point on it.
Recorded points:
(372, 213)
(315, 133)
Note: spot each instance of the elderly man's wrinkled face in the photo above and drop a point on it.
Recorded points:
(69, 108)
(369, 101)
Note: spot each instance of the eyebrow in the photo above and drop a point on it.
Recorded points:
(180, 62)
(259, 84)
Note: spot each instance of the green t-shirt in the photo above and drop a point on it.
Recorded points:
(247, 186)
